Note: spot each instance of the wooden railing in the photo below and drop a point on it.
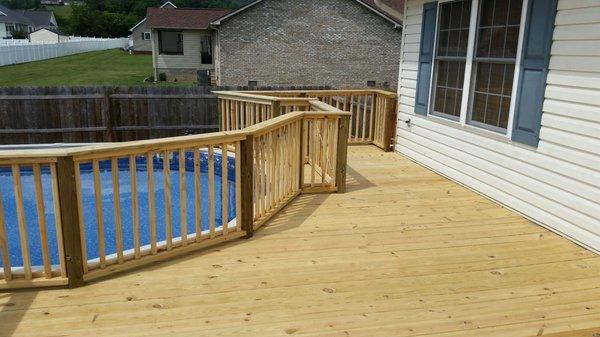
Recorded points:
(372, 121)
(263, 167)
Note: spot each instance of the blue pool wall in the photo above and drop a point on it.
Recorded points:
(89, 201)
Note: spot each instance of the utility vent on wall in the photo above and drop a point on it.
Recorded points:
(252, 83)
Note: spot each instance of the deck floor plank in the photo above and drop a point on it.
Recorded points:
(405, 252)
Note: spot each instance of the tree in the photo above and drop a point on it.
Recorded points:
(86, 21)
(141, 7)
(21, 4)
(19, 34)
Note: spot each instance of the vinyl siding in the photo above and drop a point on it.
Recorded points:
(556, 184)
(44, 36)
(191, 52)
(2, 30)
(138, 43)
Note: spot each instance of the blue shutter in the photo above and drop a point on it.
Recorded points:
(539, 28)
(426, 57)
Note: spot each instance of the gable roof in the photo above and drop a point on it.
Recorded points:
(370, 4)
(166, 4)
(13, 16)
(184, 18)
(53, 30)
(40, 18)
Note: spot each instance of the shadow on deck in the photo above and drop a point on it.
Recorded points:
(405, 252)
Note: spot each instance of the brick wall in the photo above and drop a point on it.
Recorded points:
(338, 43)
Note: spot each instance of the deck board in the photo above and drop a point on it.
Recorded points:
(405, 252)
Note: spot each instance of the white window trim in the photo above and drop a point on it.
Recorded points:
(466, 98)
(149, 36)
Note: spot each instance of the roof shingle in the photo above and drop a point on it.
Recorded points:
(184, 18)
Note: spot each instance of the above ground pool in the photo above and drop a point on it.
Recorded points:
(89, 204)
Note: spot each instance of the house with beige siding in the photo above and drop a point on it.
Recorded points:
(141, 34)
(504, 97)
(338, 43)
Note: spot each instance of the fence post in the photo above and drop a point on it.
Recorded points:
(342, 153)
(247, 185)
(390, 124)
(107, 115)
(69, 216)
(276, 108)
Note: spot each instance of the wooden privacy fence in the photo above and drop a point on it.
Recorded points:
(166, 197)
(36, 115)
(104, 114)
(373, 112)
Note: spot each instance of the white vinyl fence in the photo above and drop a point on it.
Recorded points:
(28, 52)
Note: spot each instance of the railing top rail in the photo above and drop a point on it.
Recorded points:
(237, 95)
(325, 92)
(105, 150)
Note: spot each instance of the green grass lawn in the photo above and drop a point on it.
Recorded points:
(63, 11)
(107, 67)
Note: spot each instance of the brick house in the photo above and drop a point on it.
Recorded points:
(281, 42)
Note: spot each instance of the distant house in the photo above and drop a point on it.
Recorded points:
(52, 2)
(12, 20)
(341, 43)
(48, 35)
(141, 35)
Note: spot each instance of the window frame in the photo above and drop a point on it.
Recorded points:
(211, 49)
(160, 45)
(469, 76)
(149, 36)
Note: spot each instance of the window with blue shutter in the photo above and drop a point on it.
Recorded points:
(534, 70)
(426, 57)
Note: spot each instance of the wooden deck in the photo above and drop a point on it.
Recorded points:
(404, 253)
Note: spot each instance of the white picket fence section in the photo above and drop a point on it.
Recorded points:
(28, 52)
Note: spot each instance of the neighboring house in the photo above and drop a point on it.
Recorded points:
(52, 2)
(141, 35)
(48, 35)
(505, 99)
(24, 20)
(183, 42)
(340, 43)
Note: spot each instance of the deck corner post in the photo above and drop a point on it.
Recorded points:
(342, 153)
(247, 185)
(390, 124)
(69, 216)
(276, 108)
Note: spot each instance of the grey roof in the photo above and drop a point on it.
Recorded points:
(40, 18)
(53, 30)
(14, 16)
(34, 18)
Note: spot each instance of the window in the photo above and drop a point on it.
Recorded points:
(170, 42)
(146, 36)
(494, 62)
(473, 83)
(206, 49)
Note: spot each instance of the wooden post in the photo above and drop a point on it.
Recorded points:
(301, 159)
(390, 124)
(107, 116)
(69, 215)
(342, 153)
(247, 185)
(276, 108)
